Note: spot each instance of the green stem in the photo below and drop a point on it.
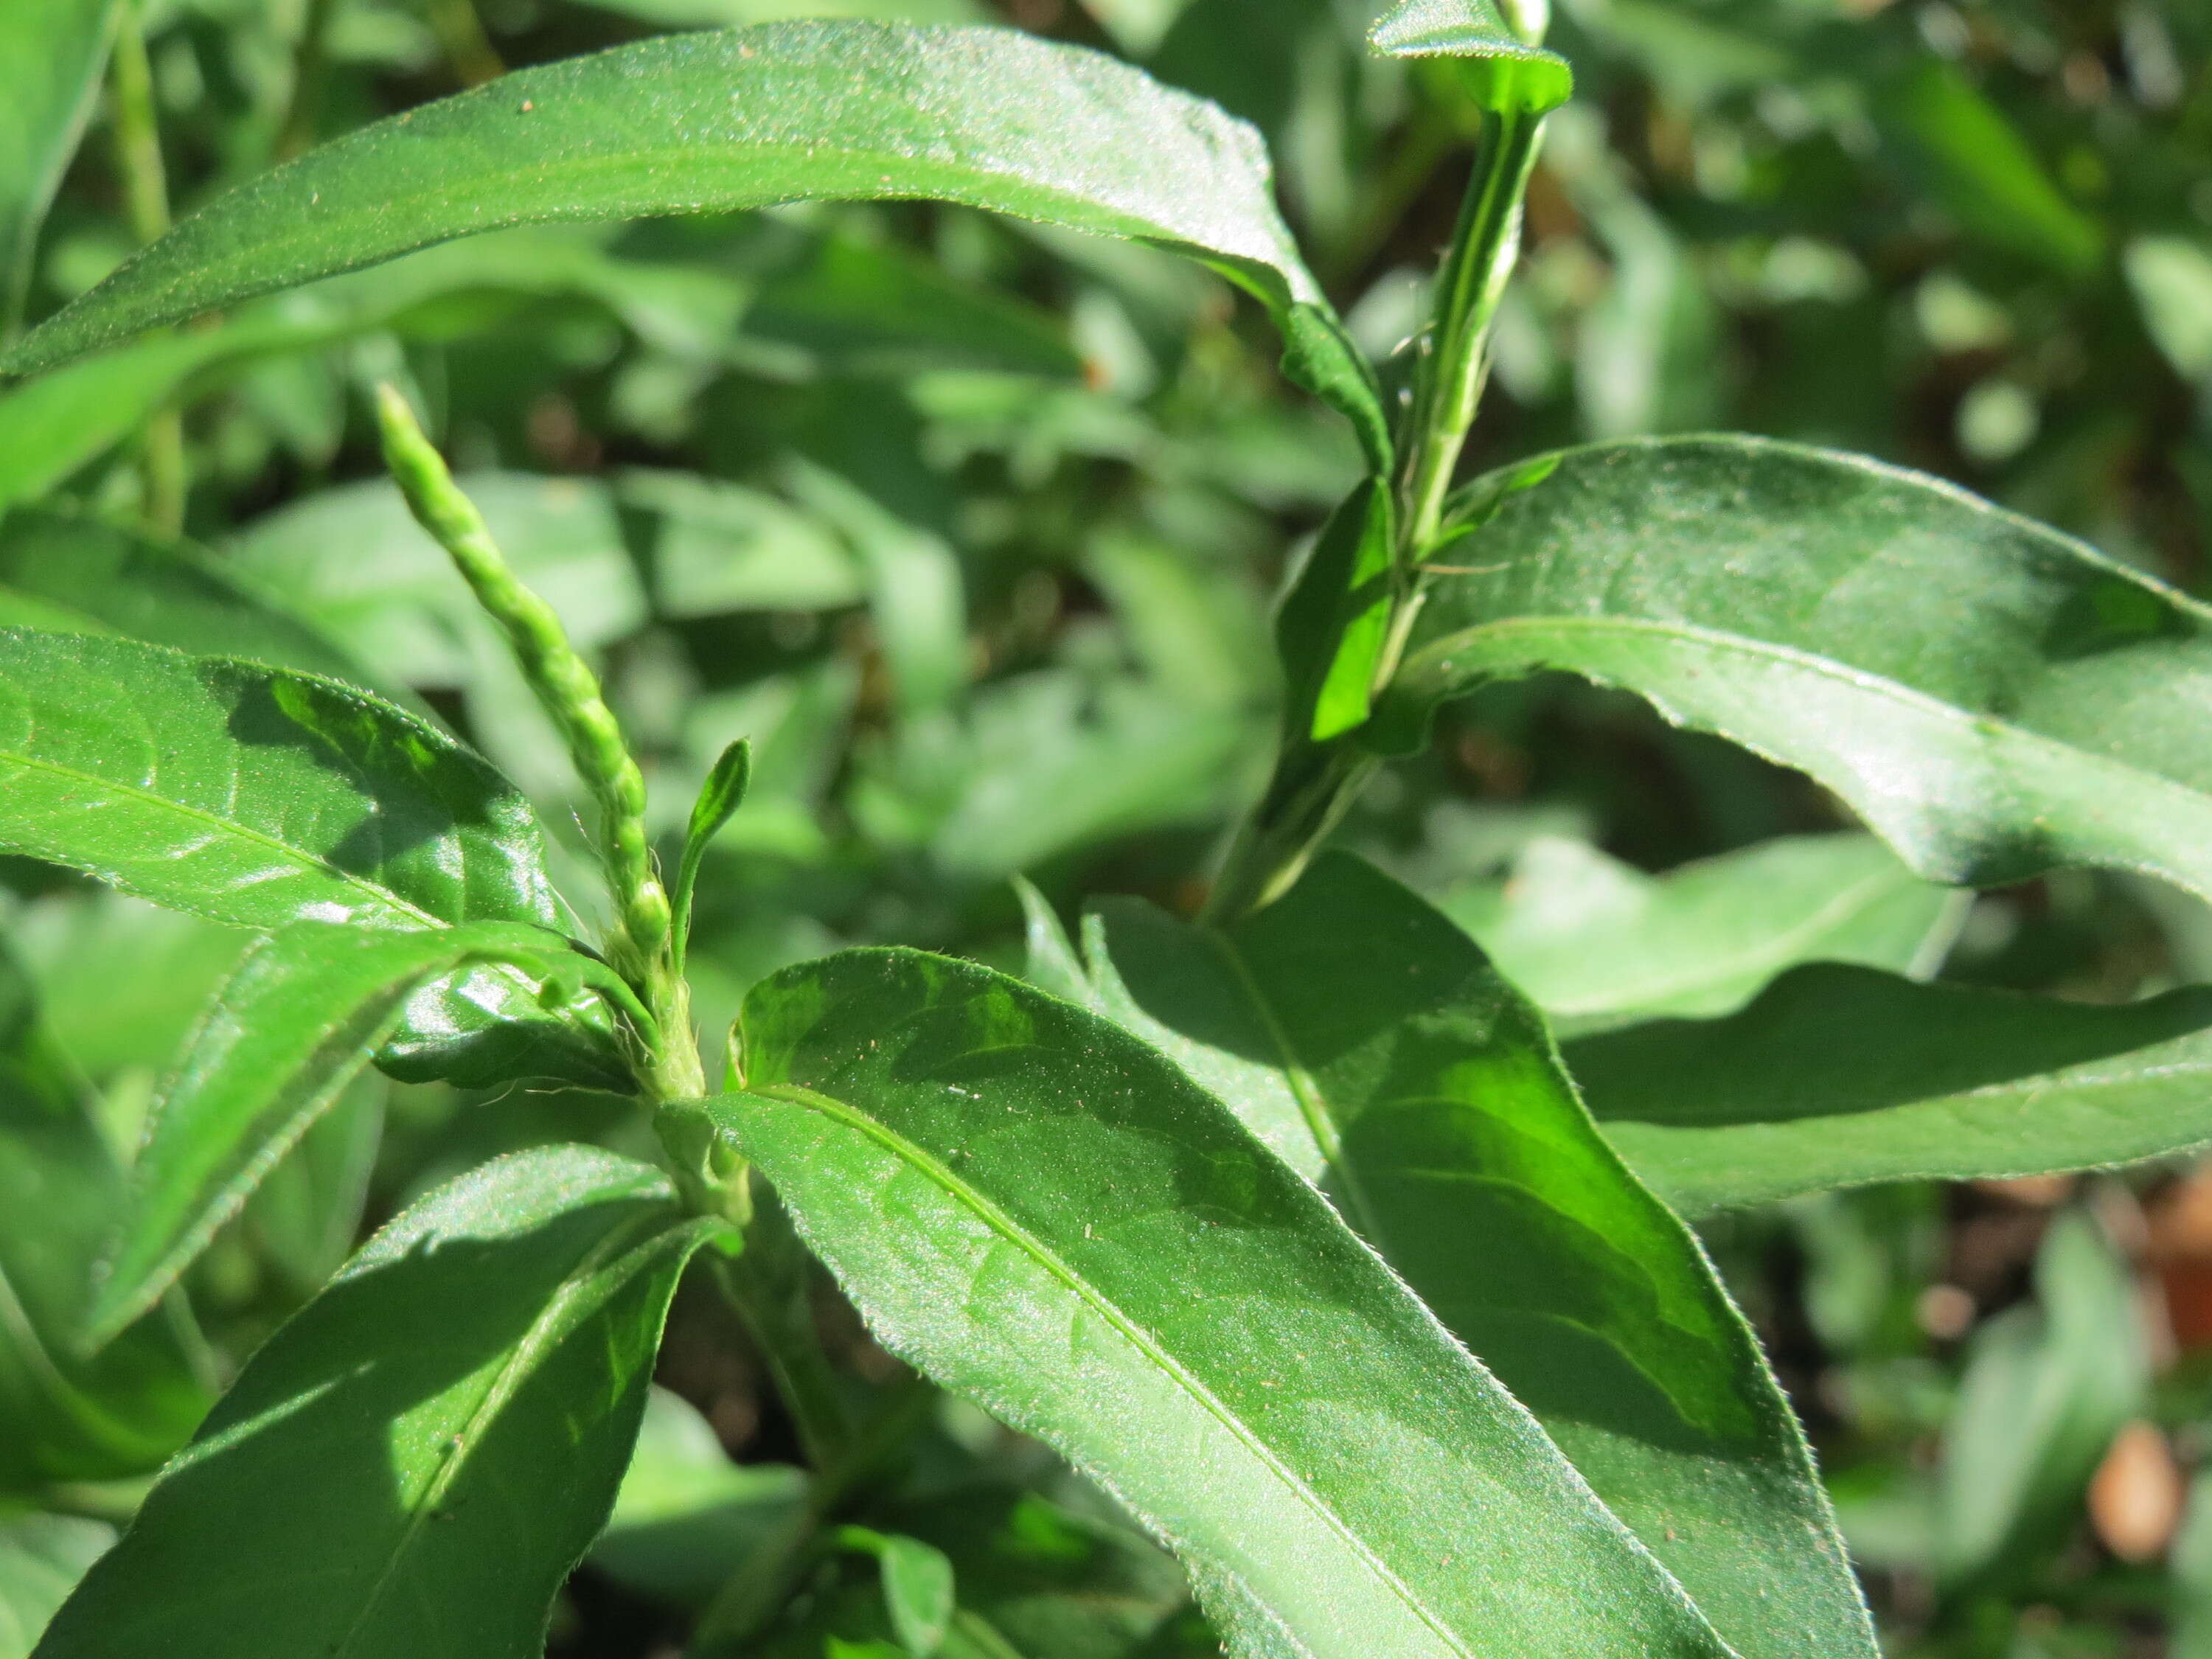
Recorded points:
(1315, 785)
(1450, 383)
(461, 36)
(137, 141)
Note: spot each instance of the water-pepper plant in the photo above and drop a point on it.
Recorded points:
(1289, 1220)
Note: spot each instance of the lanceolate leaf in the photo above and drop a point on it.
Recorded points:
(1839, 1075)
(96, 578)
(68, 1418)
(1368, 1040)
(1993, 698)
(1046, 1215)
(253, 795)
(50, 55)
(297, 1021)
(786, 111)
(415, 1462)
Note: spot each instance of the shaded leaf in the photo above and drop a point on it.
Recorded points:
(68, 1418)
(1838, 1075)
(1366, 1040)
(1995, 699)
(413, 1464)
(297, 1021)
(1047, 1216)
(99, 578)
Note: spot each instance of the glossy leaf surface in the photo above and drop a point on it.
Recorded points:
(69, 1416)
(1043, 1213)
(1839, 1075)
(783, 113)
(1365, 1038)
(296, 1023)
(413, 1464)
(253, 795)
(1993, 698)
(1595, 942)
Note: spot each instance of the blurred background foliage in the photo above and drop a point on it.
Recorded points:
(973, 527)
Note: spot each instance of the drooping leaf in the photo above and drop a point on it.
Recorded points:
(786, 111)
(1367, 1040)
(1044, 1214)
(1840, 1075)
(1595, 942)
(51, 52)
(299, 1019)
(1503, 72)
(42, 1557)
(68, 1418)
(1995, 699)
(253, 795)
(413, 1463)
(98, 578)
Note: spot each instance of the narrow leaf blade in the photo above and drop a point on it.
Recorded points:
(415, 1462)
(1995, 699)
(1838, 1076)
(1047, 1216)
(1363, 1037)
(715, 122)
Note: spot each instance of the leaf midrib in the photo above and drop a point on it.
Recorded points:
(548, 1328)
(299, 858)
(1022, 1239)
(1435, 656)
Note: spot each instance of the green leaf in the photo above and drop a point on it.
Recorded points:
(1993, 699)
(92, 577)
(69, 1416)
(253, 795)
(298, 1020)
(413, 1464)
(2045, 1389)
(2172, 280)
(719, 798)
(1043, 1213)
(1838, 1076)
(42, 1557)
(716, 548)
(51, 52)
(1975, 161)
(686, 1515)
(725, 14)
(1368, 1041)
(918, 1589)
(748, 118)
(1505, 73)
(1594, 942)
